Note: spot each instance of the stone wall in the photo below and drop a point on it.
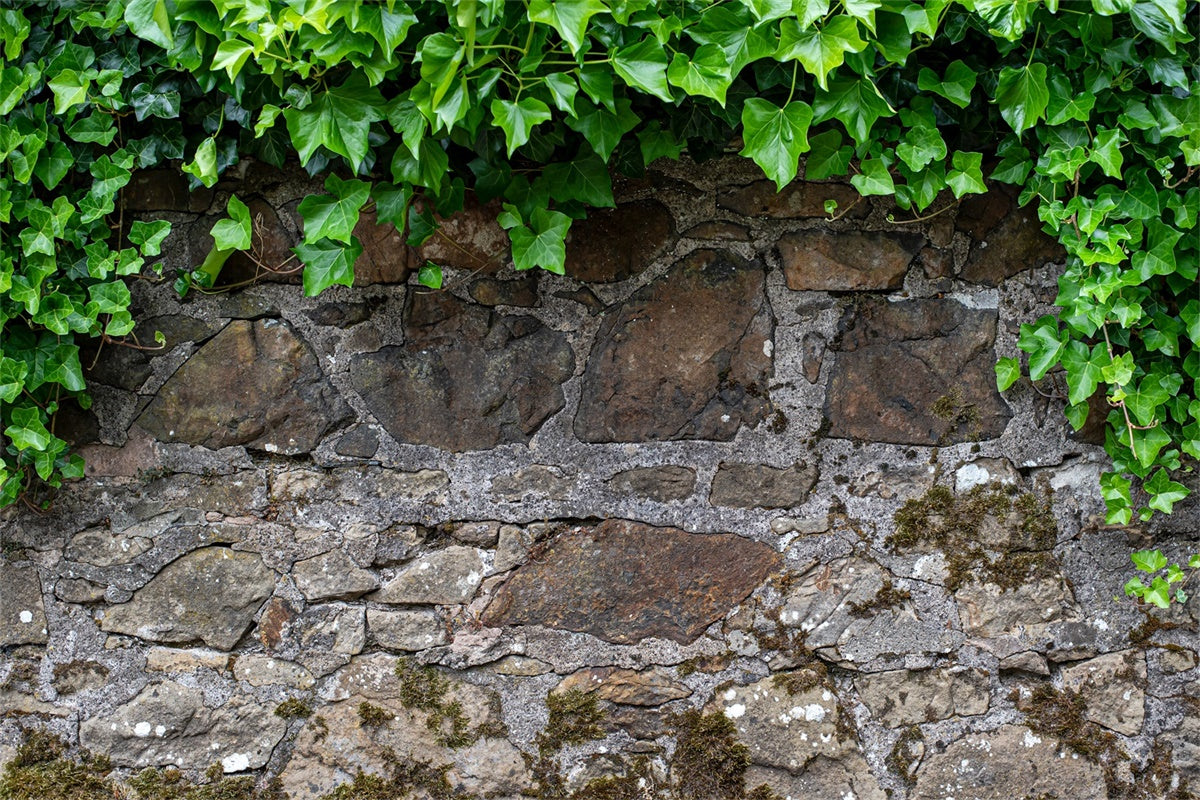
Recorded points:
(736, 505)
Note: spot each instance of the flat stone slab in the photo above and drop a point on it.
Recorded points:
(685, 357)
(467, 377)
(916, 372)
(1112, 686)
(255, 384)
(625, 581)
(614, 244)
(739, 485)
(798, 200)
(903, 697)
(22, 611)
(825, 261)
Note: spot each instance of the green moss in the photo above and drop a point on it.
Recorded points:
(763, 792)
(425, 689)
(575, 717)
(952, 409)
(900, 761)
(888, 596)
(293, 708)
(710, 664)
(406, 777)
(373, 716)
(42, 771)
(636, 784)
(169, 784)
(709, 762)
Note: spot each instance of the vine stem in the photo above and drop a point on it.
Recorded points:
(940, 211)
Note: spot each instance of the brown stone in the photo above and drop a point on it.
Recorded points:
(663, 484)
(22, 611)
(1007, 239)
(386, 258)
(271, 245)
(937, 263)
(256, 384)
(759, 486)
(1111, 685)
(470, 240)
(798, 200)
(719, 230)
(846, 261)
(649, 687)
(164, 190)
(916, 372)
(614, 244)
(467, 378)
(495, 292)
(686, 357)
(625, 581)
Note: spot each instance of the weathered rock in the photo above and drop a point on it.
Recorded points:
(782, 729)
(1029, 661)
(256, 384)
(1008, 239)
(613, 244)
(718, 230)
(386, 258)
(1185, 747)
(662, 484)
(22, 611)
(209, 595)
(412, 630)
(1006, 763)
(901, 697)
(273, 245)
(1112, 687)
(471, 240)
(650, 687)
(164, 190)
(988, 611)
(847, 777)
(321, 638)
(78, 590)
(759, 486)
(167, 724)
(624, 581)
(443, 577)
(360, 442)
(813, 349)
(798, 200)
(79, 676)
(175, 659)
(521, 292)
(467, 378)
(398, 544)
(103, 548)
(846, 261)
(477, 534)
(332, 576)
(694, 346)
(512, 546)
(260, 670)
(537, 480)
(916, 372)
(340, 315)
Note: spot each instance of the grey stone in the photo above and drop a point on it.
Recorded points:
(662, 484)
(476, 534)
(78, 590)
(1185, 747)
(79, 676)
(444, 577)
(759, 486)
(168, 725)
(989, 611)
(1029, 661)
(902, 697)
(360, 442)
(521, 666)
(398, 544)
(1112, 687)
(1173, 661)
(1009, 762)
(260, 670)
(103, 548)
(22, 611)
(324, 637)
(209, 595)
(417, 629)
(537, 480)
(512, 547)
(332, 576)
(836, 779)
(812, 348)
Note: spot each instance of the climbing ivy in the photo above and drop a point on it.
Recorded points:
(1089, 107)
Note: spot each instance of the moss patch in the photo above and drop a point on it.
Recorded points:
(373, 716)
(904, 755)
(169, 784)
(294, 708)
(406, 778)
(425, 689)
(575, 717)
(41, 771)
(709, 762)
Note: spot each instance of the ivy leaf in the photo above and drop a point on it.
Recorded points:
(1022, 95)
(776, 137)
(149, 236)
(734, 30)
(1115, 489)
(231, 56)
(956, 86)
(767, 10)
(1144, 400)
(334, 215)
(12, 378)
(563, 90)
(584, 178)
(53, 165)
(1085, 369)
(966, 177)
(827, 157)
(644, 66)
(603, 129)
(327, 262)
(234, 233)
(819, 50)
(204, 164)
(1043, 342)
(150, 20)
(70, 89)
(543, 243)
(339, 119)
(921, 145)
(1106, 150)
(391, 203)
(875, 179)
(1149, 560)
(1077, 415)
(518, 119)
(1147, 444)
(1066, 103)
(27, 431)
(1008, 371)
(96, 128)
(1164, 492)
(857, 104)
(704, 74)
(568, 17)
(430, 275)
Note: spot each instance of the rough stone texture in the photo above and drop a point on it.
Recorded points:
(989, 611)
(168, 724)
(825, 261)
(1007, 239)
(385, 257)
(22, 612)
(1111, 685)
(662, 484)
(520, 292)
(623, 581)
(259, 670)
(443, 577)
(916, 372)
(651, 687)
(759, 486)
(900, 697)
(840, 779)
(361, 442)
(413, 630)
(466, 378)
(470, 240)
(103, 548)
(1006, 763)
(332, 576)
(254, 384)
(209, 595)
(1186, 747)
(693, 345)
(643, 230)
(798, 200)
(536, 480)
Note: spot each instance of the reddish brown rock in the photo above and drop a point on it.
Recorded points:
(846, 261)
(719, 230)
(164, 190)
(686, 357)
(1006, 239)
(256, 384)
(467, 378)
(626, 581)
(650, 687)
(271, 248)
(470, 240)
(798, 200)
(385, 257)
(916, 372)
(613, 244)
(495, 292)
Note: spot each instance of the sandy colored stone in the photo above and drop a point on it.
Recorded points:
(1112, 687)
(649, 687)
(760, 486)
(332, 576)
(443, 577)
(902, 697)
(22, 611)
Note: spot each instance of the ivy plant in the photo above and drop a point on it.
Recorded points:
(1089, 108)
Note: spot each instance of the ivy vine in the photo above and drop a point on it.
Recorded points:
(1090, 107)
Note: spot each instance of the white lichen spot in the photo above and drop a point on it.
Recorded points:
(814, 712)
(768, 348)
(736, 710)
(826, 695)
(730, 694)
(141, 730)
(1100, 624)
(26, 617)
(1031, 740)
(236, 762)
(160, 730)
(725, 418)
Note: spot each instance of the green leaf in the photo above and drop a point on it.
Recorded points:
(430, 275)
(966, 177)
(543, 243)
(1085, 369)
(1144, 399)
(70, 89)
(1149, 560)
(857, 104)
(12, 378)
(27, 431)
(1022, 95)
(150, 20)
(563, 90)
(956, 86)
(704, 74)
(776, 137)
(821, 50)
(1008, 371)
(827, 157)
(603, 129)
(921, 145)
(149, 236)
(1043, 342)
(391, 203)
(334, 215)
(1106, 150)
(643, 66)
(53, 165)
(204, 164)
(1077, 415)
(518, 119)
(1115, 489)
(1148, 444)
(875, 179)
(338, 119)
(96, 128)
(568, 17)
(1067, 103)
(327, 262)
(1164, 492)
(231, 56)
(584, 178)
(235, 232)
(734, 30)
(111, 297)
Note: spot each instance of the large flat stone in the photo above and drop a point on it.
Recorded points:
(848, 261)
(256, 384)
(798, 200)
(845, 778)
(22, 611)
(467, 377)
(1112, 687)
(209, 595)
(1006, 239)
(916, 372)
(625, 581)
(685, 357)
(902, 697)
(444, 577)
(618, 243)
(758, 486)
